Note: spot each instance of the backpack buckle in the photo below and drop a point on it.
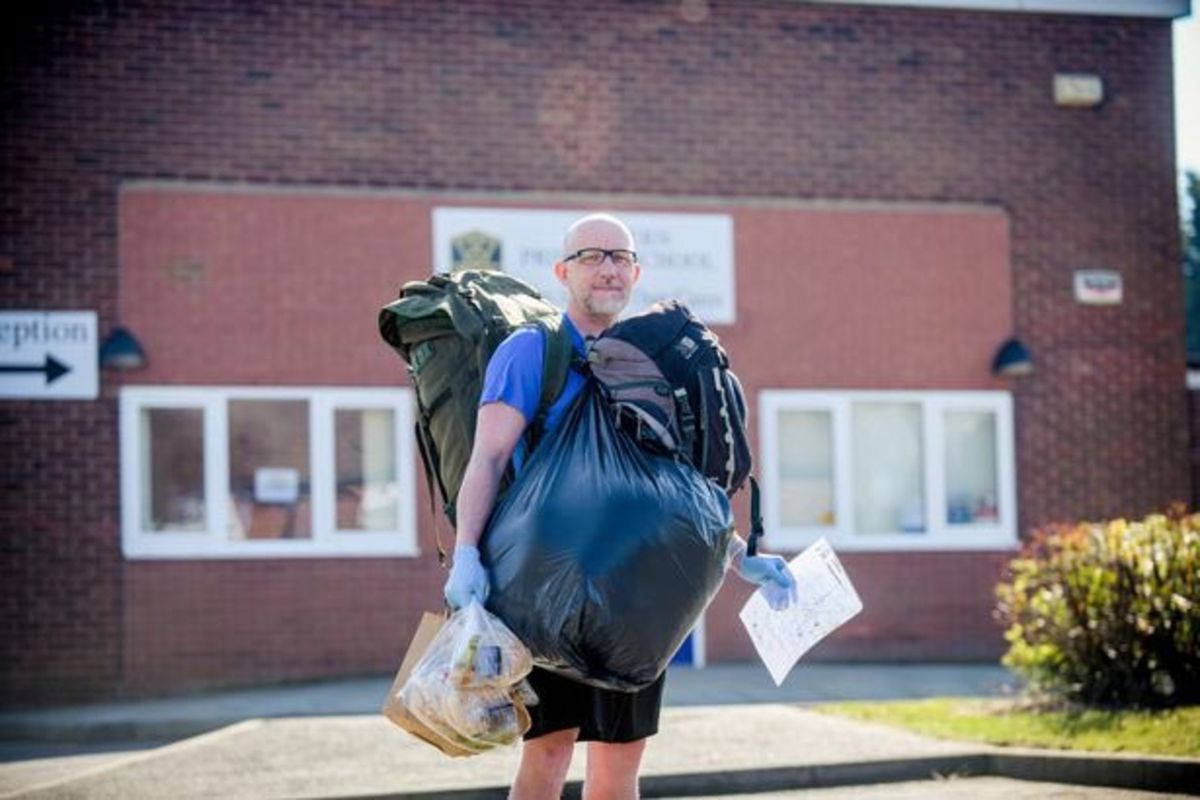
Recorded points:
(687, 420)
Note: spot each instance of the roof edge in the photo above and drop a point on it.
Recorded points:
(1168, 9)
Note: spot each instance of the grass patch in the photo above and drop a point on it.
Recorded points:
(1008, 722)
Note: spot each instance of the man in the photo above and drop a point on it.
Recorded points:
(599, 268)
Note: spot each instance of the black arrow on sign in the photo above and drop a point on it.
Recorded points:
(53, 368)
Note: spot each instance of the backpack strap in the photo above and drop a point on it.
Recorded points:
(556, 360)
(432, 474)
(686, 421)
(756, 523)
(558, 355)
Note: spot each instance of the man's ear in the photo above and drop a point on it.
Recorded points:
(560, 272)
(637, 273)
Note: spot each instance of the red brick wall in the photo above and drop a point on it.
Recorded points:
(758, 99)
(246, 287)
(199, 624)
(266, 288)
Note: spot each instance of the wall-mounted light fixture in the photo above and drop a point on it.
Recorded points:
(122, 351)
(1012, 360)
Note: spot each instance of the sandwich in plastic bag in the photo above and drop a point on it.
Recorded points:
(469, 688)
(602, 555)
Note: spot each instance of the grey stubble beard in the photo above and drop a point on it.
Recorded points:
(605, 306)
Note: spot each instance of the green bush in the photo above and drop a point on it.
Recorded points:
(1108, 613)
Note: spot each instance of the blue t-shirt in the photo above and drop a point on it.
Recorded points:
(514, 377)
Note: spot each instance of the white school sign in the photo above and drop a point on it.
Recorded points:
(48, 355)
(687, 257)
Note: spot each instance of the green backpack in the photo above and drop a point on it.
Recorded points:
(446, 329)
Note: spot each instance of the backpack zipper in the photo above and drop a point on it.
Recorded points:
(661, 388)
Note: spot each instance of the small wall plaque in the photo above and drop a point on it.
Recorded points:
(1078, 90)
(1098, 287)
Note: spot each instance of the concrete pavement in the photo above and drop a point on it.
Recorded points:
(726, 731)
(985, 788)
(718, 684)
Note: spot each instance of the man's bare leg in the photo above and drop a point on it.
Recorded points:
(612, 770)
(544, 764)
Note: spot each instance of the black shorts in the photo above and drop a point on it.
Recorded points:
(602, 715)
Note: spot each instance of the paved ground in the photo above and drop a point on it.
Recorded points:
(721, 684)
(726, 729)
(356, 756)
(966, 788)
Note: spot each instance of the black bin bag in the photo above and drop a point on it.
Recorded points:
(602, 556)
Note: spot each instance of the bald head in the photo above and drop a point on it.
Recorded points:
(598, 288)
(598, 230)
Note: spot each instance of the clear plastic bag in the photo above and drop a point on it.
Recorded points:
(470, 686)
(486, 653)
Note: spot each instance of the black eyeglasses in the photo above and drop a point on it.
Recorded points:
(594, 257)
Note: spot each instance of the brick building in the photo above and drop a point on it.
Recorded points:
(884, 193)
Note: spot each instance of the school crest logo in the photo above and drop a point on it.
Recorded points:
(474, 250)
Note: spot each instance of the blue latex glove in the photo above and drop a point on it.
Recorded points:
(468, 581)
(771, 573)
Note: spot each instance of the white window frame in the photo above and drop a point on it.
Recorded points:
(214, 541)
(938, 535)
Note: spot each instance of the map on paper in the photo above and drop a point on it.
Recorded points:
(826, 601)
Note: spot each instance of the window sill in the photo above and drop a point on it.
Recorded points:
(793, 541)
(185, 547)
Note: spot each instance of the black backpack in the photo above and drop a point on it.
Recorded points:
(671, 388)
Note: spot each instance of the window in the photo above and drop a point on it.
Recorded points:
(883, 470)
(889, 481)
(171, 474)
(257, 472)
(270, 489)
(367, 499)
(972, 483)
(806, 486)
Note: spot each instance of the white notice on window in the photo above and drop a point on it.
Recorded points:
(826, 601)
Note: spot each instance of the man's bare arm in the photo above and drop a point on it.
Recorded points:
(498, 428)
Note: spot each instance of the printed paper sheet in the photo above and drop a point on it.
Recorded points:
(826, 601)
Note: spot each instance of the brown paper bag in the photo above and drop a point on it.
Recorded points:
(394, 710)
